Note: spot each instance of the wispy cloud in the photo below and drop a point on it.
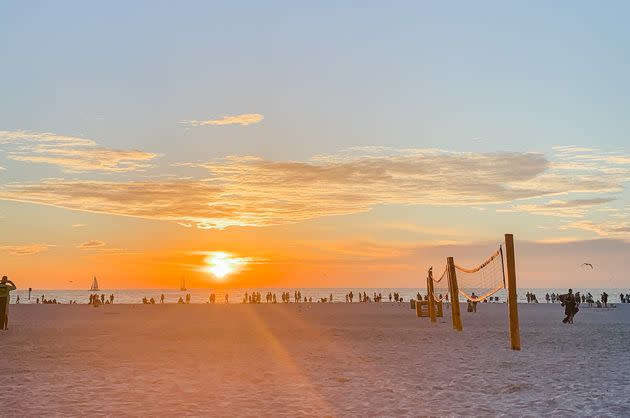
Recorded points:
(251, 191)
(30, 249)
(560, 208)
(244, 120)
(595, 180)
(72, 154)
(79, 225)
(88, 245)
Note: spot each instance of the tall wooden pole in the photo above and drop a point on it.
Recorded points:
(452, 278)
(515, 334)
(430, 294)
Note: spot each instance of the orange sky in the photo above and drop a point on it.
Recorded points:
(318, 150)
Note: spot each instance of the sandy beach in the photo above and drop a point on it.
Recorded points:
(371, 359)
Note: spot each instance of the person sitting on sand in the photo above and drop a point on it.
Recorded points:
(6, 286)
(180, 301)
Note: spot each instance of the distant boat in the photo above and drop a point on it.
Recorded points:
(182, 285)
(94, 287)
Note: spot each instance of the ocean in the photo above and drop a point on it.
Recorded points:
(236, 295)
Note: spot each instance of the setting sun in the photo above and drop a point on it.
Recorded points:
(220, 264)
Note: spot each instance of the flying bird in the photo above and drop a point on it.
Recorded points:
(587, 264)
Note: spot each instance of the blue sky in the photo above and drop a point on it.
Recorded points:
(327, 78)
(520, 76)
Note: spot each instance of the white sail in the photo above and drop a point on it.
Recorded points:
(94, 287)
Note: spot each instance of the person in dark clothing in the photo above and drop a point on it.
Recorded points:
(570, 306)
(6, 286)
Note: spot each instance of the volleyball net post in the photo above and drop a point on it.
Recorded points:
(430, 295)
(515, 334)
(452, 277)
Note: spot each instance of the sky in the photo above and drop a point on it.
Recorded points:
(312, 144)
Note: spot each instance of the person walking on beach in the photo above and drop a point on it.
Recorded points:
(6, 286)
(570, 307)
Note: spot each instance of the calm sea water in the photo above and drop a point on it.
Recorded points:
(236, 295)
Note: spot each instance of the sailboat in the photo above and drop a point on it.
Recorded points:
(182, 285)
(94, 287)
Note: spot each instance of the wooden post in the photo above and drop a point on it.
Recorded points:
(431, 296)
(515, 334)
(452, 278)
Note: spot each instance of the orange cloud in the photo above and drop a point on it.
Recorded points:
(25, 249)
(91, 244)
(251, 191)
(244, 120)
(72, 154)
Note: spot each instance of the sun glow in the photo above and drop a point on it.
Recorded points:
(221, 264)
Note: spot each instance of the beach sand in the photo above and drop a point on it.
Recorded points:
(374, 359)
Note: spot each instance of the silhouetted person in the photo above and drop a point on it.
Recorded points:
(6, 286)
(162, 298)
(30, 289)
(570, 307)
(474, 302)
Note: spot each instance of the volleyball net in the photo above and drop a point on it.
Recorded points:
(441, 286)
(481, 282)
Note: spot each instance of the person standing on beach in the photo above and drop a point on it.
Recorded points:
(6, 286)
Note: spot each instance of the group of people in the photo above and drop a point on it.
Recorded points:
(571, 302)
(531, 297)
(45, 301)
(602, 302)
(97, 300)
(364, 297)
(624, 299)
